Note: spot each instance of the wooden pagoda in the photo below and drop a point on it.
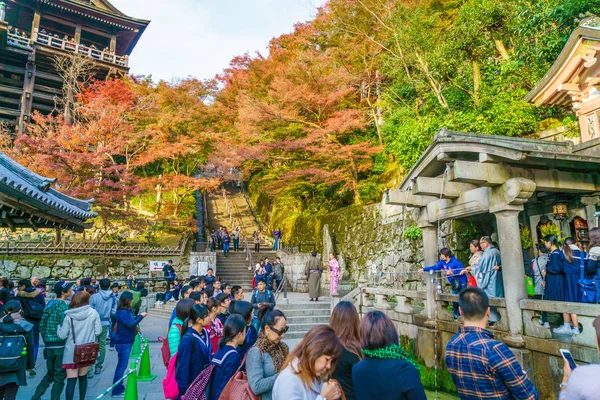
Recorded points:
(34, 32)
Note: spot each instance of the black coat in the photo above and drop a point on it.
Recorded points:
(19, 327)
(375, 378)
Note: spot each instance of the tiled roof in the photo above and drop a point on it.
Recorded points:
(34, 188)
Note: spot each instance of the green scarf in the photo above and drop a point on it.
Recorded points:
(393, 352)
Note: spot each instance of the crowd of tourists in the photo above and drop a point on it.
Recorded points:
(569, 271)
(75, 327)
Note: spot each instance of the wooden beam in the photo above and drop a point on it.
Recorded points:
(546, 180)
(12, 68)
(43, 96)
(49, 77)
(9, 111)
(8, 89)
(569, 87)
(432, 187)
(8, 222)
(47, 89)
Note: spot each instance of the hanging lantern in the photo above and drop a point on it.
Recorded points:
(560, 211)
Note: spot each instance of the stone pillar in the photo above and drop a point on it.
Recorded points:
(430, 253)
(512, 271)
(591, 203)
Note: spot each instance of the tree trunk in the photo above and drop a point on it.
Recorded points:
(476, 81)
(435, 86)
(502, 49)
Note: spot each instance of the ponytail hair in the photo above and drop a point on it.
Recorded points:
(234, 325)
(263, 310)
(567, 250)
(198, 311)
(10, 308)
(269, 317)
(211, 303)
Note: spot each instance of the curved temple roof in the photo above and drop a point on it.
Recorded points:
(27, 200)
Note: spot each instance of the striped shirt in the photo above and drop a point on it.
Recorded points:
(485, 368)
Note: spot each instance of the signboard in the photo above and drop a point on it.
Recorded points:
(201, 268)
(157, 266)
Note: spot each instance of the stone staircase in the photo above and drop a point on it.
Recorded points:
(302, 316)
(233, 269)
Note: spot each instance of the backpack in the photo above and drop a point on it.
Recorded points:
(170, 388)
(32, 309)
(12, 349)
(165, 350)
(588, 286)
(137, 299)
(238, 387)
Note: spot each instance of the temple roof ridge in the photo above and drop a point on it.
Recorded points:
(35, 188)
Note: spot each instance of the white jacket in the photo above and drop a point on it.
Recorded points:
(87, 325)
(289, 386)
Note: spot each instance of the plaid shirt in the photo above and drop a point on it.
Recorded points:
(484, 368)
(53, 317)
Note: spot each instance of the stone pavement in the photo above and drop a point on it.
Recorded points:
(152, 328)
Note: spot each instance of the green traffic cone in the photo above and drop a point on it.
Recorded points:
(145, 374)
(131, 392)
(136, 349)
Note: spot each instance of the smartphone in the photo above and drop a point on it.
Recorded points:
(569, 357)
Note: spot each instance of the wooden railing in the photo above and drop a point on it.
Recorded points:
(68, 45)
(18, 41)
(92, 249)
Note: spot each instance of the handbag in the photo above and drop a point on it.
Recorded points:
(471, 281)
(456, 286)
(84, 352)
(238, 387)
(530, 285)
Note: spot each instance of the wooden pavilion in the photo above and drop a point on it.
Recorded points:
(33, 32)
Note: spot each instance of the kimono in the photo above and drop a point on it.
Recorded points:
(334, 276)
(313, 271)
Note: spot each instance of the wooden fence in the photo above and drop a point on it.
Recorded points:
(92, 249)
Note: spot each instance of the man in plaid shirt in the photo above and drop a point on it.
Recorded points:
(53, 317)
(482, 367)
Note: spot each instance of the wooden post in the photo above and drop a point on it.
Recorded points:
(35, 26)
(113, 44)
(58, 238)
(27, 97)
(78, 34)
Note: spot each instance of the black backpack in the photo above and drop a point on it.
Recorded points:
(32, 309)
(12, 349)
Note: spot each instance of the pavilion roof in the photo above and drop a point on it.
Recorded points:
(573, 67)
(27, 200)
(517, 155)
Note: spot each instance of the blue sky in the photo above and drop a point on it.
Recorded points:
(199, 37)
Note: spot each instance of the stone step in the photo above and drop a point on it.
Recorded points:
(294, 336)
(312, 319)
(305, 312)
(303, 327)
(312, 305)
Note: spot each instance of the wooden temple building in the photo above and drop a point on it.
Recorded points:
(33, 32)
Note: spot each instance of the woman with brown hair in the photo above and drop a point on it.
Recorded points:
(387, 371)
(346, 324)
(82, 321)
(306, 366)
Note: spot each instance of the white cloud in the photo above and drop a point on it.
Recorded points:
(200, 37)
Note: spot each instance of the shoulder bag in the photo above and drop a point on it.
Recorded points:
(84, 352)
(588, 286)
(238, 387)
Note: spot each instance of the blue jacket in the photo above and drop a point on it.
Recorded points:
(251, 338)
(453, 265)
(265, 297)
(375, 378)
(193, 356)
(126, 326)
(226, 362)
